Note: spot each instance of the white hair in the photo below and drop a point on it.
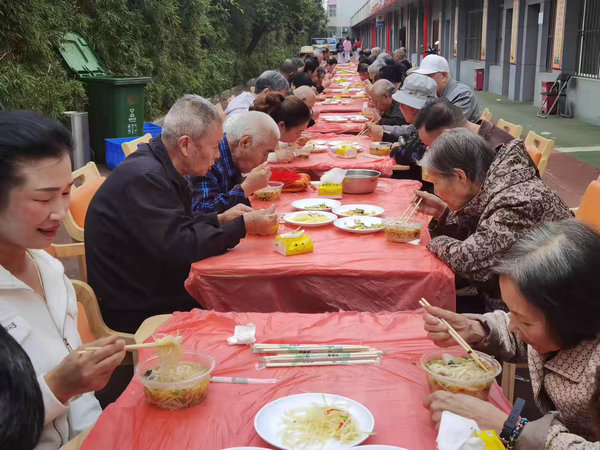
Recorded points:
(376, 51)
(385, 57)
(260, 126)
(381, 87)
(375, 68)
(271, 79)
(192, 116)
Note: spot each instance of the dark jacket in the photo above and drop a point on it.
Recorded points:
(394, 116)
(512, 201)
(141, 237)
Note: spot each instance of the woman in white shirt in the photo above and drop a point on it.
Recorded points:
(37, 302)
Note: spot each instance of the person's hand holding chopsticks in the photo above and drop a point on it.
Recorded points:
(430, 204)
(261, 222)
(233, 213)
(82, 372)
(470, 330)
(374, 131)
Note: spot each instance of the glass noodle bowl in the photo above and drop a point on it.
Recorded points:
(269, 193)
(401, 231)
(466, 377)
(185, 387)
(380, 148)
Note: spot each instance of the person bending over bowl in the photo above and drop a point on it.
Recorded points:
(549, 281)
(498, 198)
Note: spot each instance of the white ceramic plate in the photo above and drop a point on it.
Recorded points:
(358, 119)
(335, 119)
(343, 211)
(310, 204)
(269, 420)
(318, 141)
(380, 447)
(253, 448)
(345, 223)
(290, 218)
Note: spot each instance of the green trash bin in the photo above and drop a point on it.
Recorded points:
(116, 104)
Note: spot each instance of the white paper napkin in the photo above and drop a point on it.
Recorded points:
(243, 335)
(334, 176)
(458, 433)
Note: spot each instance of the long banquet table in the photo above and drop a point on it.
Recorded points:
(358, 272)
(393, 391)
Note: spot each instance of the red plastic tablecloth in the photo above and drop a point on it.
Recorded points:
(319, 163)
(354, 106)
(322, 126)
(393, 391)
(358, 272)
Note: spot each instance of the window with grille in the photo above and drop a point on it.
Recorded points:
(473, 35)
(589, 40)
(332, 10)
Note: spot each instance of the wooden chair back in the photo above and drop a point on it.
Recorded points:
(486, 115)
(589, 209)
(540, 149)
(131, 146)
(87, 181)
(512, 129)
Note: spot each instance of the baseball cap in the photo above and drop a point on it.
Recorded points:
(416, 90)
(433, 64)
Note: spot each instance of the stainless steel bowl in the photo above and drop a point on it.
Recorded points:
(360, 181)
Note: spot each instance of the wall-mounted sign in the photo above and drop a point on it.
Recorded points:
(559, 34)
(515, 33)
(380, 21)
(484, 30)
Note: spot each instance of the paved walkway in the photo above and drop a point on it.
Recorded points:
(576, 160)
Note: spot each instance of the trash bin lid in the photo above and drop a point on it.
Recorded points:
(79, 56)
(118, 81)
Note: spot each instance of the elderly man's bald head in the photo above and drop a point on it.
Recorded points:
(381, 88)
(307, 95)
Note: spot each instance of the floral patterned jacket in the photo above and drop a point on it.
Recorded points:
(562, 383)
(511, 202)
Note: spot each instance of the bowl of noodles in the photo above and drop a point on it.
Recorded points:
(176, 381)
(453, 370)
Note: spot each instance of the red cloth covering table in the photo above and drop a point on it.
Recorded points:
(393, 391)
(323, 126)
(353, 106)
(319, 163)
(358, 272)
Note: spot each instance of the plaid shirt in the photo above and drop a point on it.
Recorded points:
(220, 188)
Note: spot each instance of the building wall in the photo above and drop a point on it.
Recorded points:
(520, 81)
(345, 9)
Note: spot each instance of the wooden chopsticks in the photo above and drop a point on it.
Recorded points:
(412, 212)
(458, 338)
(129, 347)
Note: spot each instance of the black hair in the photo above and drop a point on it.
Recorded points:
(301, 79)
(439, 114)
(21, 401)
(363, 68)
(311, 64)
(298, 61)
(27, 136)
(290, 110)
(332, 62)
(556, 269)
(392, 72)
(288, 66)
(368, 52)
(321, 72)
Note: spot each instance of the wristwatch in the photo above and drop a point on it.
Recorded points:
(511, 423)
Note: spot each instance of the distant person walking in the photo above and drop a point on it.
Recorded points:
(347, 49)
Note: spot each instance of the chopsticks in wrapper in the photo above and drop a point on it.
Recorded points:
(294, 355)
(458, 338)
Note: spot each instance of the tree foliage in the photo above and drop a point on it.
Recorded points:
(198, 46)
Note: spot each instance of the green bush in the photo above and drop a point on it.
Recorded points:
(186, 46)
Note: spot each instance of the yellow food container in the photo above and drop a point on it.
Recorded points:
(347, 151)
(293, 243)
(330, 190)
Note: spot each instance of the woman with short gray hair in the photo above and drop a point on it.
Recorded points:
(495, 199)
(549, 280)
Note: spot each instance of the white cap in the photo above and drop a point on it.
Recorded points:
(307, 50)
(416, 90)
(433, 64)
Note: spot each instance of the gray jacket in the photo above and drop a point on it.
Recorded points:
(462, 96)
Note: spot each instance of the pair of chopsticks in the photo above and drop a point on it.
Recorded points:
(294, 355)
(458, 338)
(412, 212)
(129, 347)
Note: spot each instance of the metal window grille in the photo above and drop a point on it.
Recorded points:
(473, 35)
(589, 40)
